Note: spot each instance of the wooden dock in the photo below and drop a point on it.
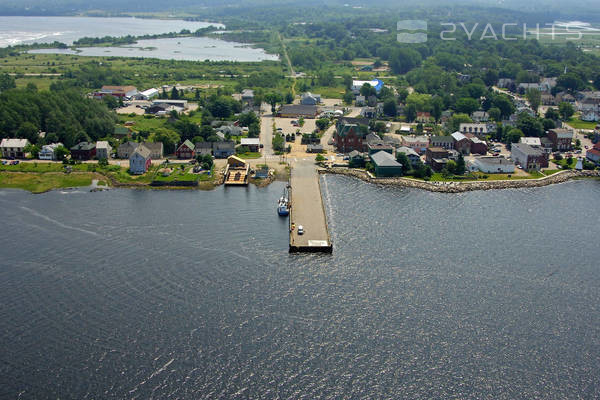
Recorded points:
(307, 209)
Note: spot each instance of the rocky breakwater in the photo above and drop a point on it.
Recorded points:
(462, 186)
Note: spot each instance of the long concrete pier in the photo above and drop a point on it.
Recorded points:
(307, 209)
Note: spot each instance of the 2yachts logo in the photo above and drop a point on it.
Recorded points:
(412, 31)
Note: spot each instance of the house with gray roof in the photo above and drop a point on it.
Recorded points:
(385, 164)
(529, 157)
(412, 155)
(140, 160)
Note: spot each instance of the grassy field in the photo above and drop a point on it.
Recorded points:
(42, 182)
(249, 155)
(576, 123)
(140, 72)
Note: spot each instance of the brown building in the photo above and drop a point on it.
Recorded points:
(437, 158)
(349, 137)
(561, 138)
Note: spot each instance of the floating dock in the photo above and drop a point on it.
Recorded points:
(307, 209)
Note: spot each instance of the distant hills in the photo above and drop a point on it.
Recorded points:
(581, 9)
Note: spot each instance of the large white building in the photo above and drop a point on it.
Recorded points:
(13, 148)
(492, 165)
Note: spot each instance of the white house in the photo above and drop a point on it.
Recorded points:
(48, 151)
(492, 165)
(140, 160)
(310, 99)
(590, 116)
(148, 94)
(103, 150)
(14, 148)
(253, 144)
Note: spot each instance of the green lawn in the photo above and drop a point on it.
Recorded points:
(42, 182)
(249, 155)
(576, 123)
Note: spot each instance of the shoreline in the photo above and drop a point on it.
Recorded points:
(468, 186)
(440, 187)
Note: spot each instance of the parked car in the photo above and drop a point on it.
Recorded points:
(300, 230)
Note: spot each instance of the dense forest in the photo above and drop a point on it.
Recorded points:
(65, 115)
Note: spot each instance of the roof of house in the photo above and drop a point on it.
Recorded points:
(594, 152)
(188, 144)
(102, 144)
(347, 128)
(250, 141)
(227, 145)
(247, 93)
(384, 159)
(83, 146)
(124, 89)
(154, 146)
(493, 160)
(415, 139)
(142, 151)
(562, 133)
(354, 153)
(301, 109)
(442, 139)
(373, 139)
(408, 151)
(14, 142)
(532, 141)
(475, 139)
(526, 149)
(458, 136)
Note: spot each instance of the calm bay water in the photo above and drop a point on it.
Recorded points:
(185, 48)
(26, 30)
(188, 294)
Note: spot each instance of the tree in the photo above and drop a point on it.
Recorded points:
(61, 153)
(254, 130)
(504, 104)
(273, 98)
(495, 114)
(460, 165)
(348, 97)
(514, 135)
(529, 125)
(322, 123)
(367, 90)
(247, 119)
(566, 110)
(32, 149)
(467, 105)
(390, 108)
(437, 105)
(404, 59)
(451, 167)
(410, 111)
(403, 159)
(289, 98)
(319, 158)
(552, 113)
(570, 81)
(28, 131)
(456, 120)
(548, 124)
(174, 93)
(535, 99)
(7, 82)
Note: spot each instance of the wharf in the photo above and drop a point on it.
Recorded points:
(307, 209)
